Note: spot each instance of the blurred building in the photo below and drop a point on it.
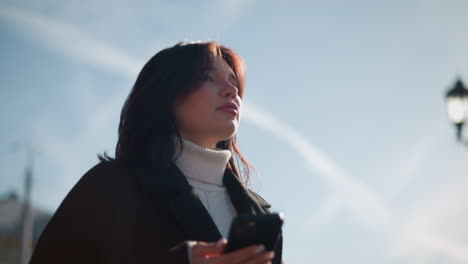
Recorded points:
(11, 212)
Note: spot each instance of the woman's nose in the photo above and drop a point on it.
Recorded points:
(229, 90)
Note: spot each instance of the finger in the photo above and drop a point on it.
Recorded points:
(204, 248)
(240, 255)
(262, 258)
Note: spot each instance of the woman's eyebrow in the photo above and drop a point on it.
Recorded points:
(216, 71)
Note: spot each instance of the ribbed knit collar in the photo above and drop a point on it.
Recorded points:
(201, 164)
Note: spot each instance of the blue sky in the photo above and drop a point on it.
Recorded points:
(345, 117)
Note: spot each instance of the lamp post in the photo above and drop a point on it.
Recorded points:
(27, 217)
(27, 221)
(457, 106)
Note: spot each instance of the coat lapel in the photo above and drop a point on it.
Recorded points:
(244, 200)
(183, 203)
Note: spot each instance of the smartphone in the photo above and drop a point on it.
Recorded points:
(249, 230)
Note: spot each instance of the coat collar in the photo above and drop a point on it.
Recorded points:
(244, 200)
(171, 185)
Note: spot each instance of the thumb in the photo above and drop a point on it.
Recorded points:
(201, 249)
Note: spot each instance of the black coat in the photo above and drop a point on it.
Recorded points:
(118, 215)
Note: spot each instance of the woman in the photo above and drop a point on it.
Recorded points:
(172, 190)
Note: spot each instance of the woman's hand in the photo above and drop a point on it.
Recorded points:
(211, 253)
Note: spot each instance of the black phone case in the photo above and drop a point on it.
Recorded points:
(249, 230)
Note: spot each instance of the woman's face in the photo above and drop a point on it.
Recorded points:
(210, 114)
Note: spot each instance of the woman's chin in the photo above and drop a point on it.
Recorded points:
(228, 131)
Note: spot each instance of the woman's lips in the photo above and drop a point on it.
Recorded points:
(229, 110)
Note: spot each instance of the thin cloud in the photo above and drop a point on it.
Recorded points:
(365, 203)
(71, 42)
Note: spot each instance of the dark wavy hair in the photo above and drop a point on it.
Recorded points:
(147, 122)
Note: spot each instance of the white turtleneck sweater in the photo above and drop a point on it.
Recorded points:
(204, 169)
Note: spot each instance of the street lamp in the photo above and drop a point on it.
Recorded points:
(457, 106)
